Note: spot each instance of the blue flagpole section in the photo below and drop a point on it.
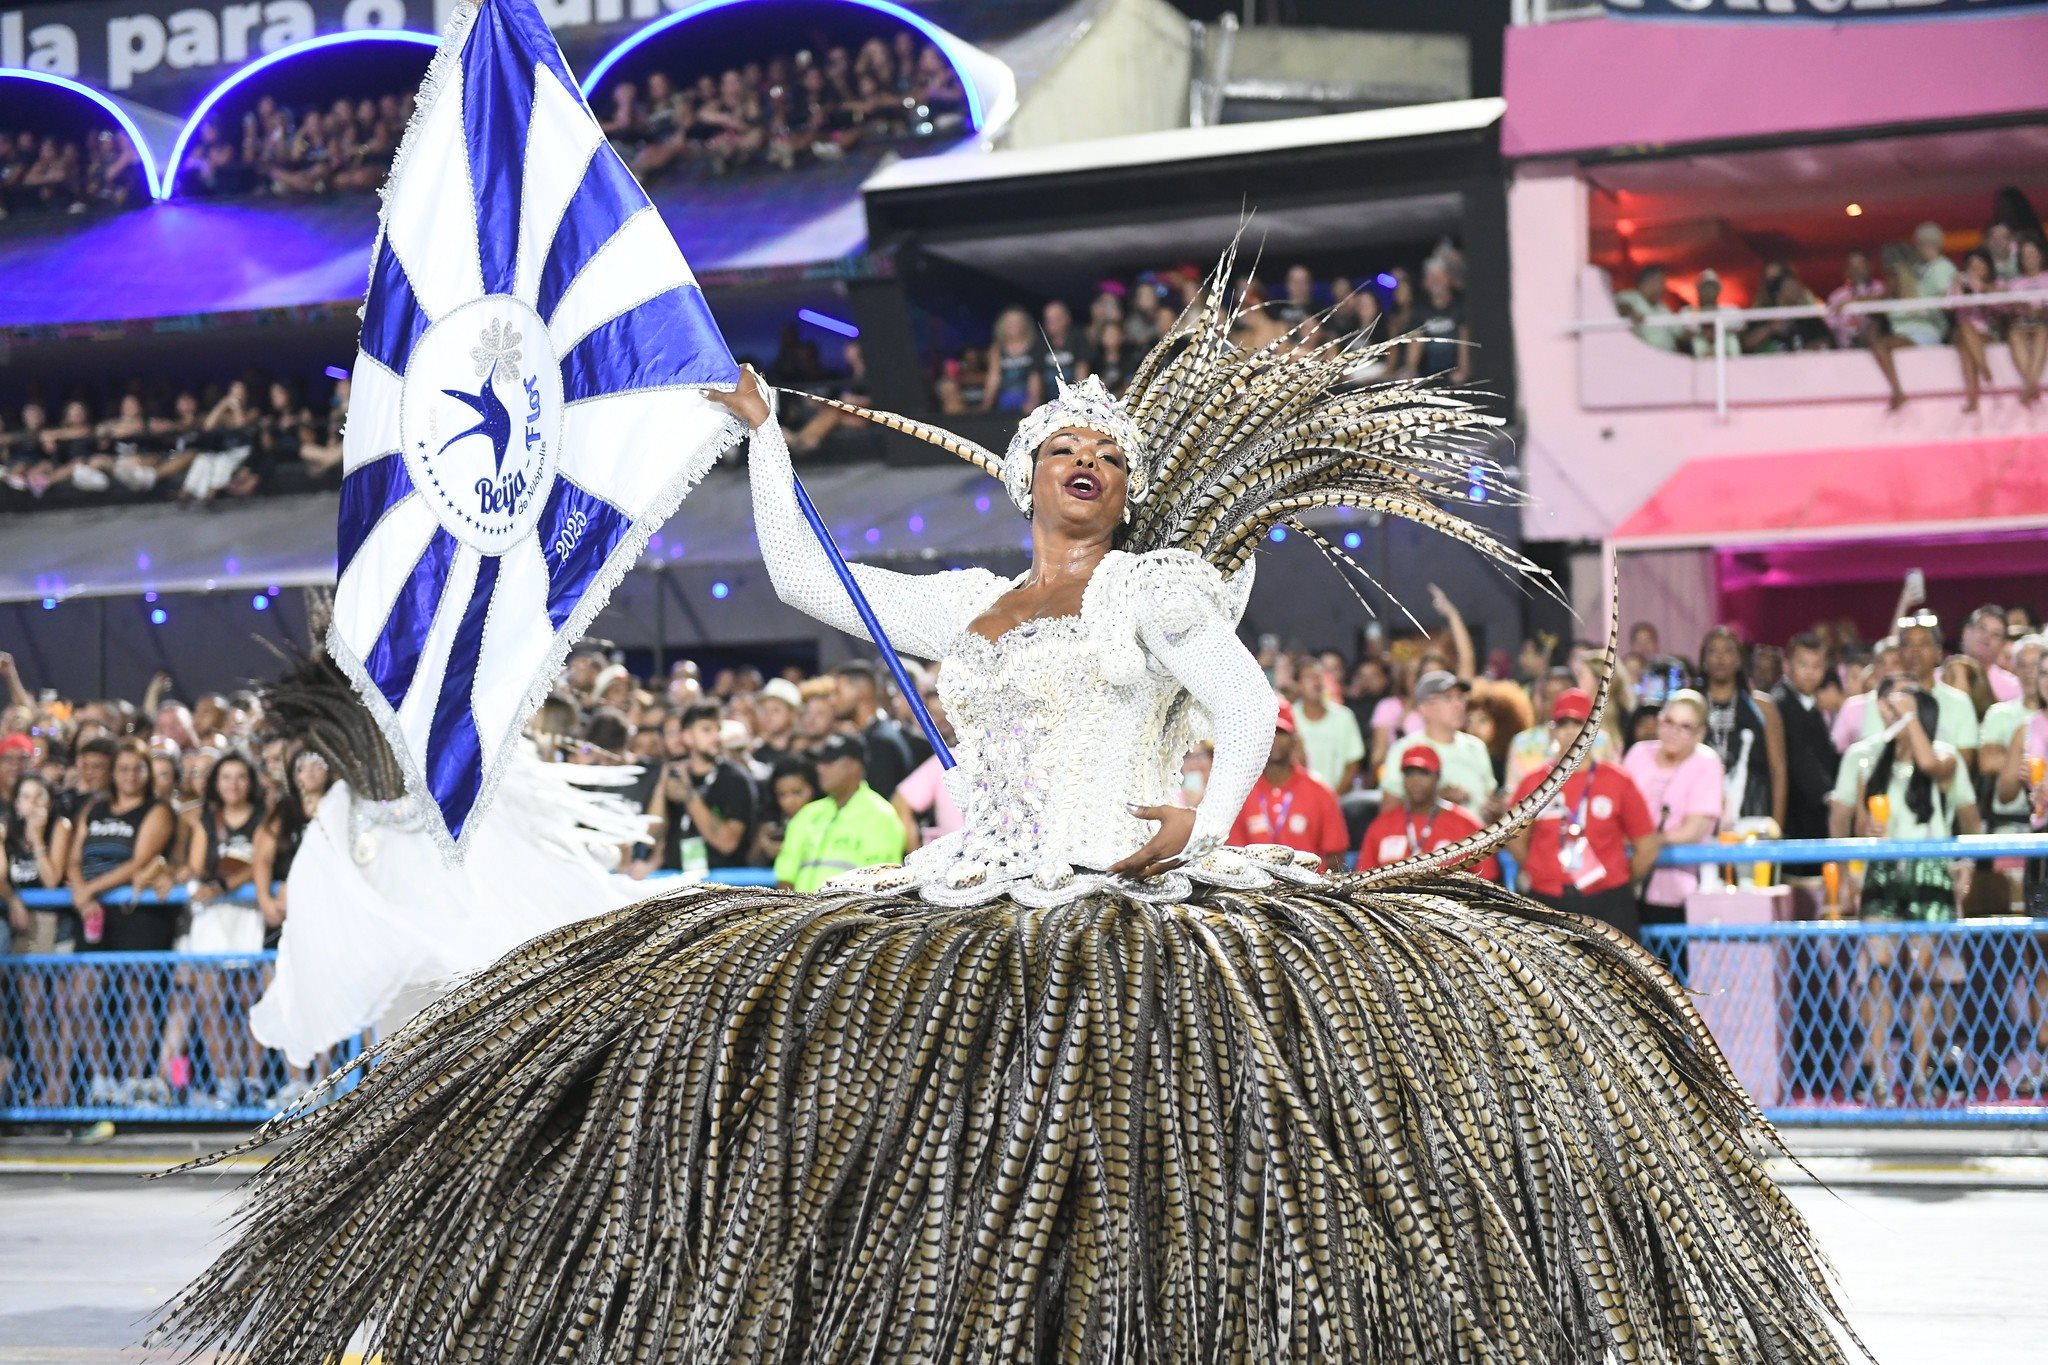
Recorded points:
(867, 618)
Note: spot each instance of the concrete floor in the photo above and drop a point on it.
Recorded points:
(1932, 1275)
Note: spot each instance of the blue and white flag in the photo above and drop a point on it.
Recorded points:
(526, 408)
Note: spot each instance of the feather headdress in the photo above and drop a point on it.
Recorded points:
(1226, 442)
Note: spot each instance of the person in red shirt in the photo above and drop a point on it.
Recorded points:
(1422, 821)
(1595, 840)
(1289, 806)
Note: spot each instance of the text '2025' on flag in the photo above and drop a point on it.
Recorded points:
(527, 406)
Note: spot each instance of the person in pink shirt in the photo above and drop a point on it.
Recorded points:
(921, 799)
(1681, 783)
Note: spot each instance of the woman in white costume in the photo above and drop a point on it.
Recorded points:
(1077, 1083)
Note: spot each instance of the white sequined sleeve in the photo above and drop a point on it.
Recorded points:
(922, 614)
(1185, 628)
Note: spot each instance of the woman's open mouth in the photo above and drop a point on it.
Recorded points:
(1083, 485)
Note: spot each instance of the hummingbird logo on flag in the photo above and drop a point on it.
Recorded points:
(526, 409)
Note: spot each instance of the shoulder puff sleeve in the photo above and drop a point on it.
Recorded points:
(922, 614)
(1186, 615)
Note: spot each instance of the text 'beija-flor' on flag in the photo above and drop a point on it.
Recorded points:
(526, 406)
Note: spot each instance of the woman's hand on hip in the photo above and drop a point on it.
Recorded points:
(1162, 851)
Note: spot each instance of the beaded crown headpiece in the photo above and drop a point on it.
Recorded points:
(1088, 406)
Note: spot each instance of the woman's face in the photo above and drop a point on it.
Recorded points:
(310, 773)
(1678, 730)
(75, 415)
(1080, 482)
(1978, 268)
(233, 784)
(164, 769)
(2041, 681)
(131, 775)
(31, 804)
(280, 398)
(1721, 659)
(2030, 257)
(131, 408)
(792, 794)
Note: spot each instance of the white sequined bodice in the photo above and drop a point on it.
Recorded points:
(1050, 752)
(1062, 723)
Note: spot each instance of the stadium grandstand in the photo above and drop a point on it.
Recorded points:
(1754, 296)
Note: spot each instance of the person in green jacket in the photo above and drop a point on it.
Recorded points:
(851, 826)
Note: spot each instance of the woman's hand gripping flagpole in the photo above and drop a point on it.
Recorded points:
(749, 403)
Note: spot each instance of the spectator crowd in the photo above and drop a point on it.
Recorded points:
(1403, 749)
(783, 111)
(1026, 356)
(789, 110)
(248, 436)
(289, 151)
(44, 173)
(2007, 260)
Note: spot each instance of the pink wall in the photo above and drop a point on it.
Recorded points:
(1589, 84)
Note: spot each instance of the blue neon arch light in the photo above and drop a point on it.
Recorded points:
(946, 43)
(151, 176)
(264, 63)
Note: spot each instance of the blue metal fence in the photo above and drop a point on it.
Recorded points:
(1824, 1022)
(1875, 1022)
(162, 1037)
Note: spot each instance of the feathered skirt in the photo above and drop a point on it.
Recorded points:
(1437, 1123)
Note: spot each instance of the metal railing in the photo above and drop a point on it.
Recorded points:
(1875, 1022)
(1870, 1021)
(1828, 1021)
(181, 893)
(158, 1037)
(1720, 319)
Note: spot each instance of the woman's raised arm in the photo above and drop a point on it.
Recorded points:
(922, 614)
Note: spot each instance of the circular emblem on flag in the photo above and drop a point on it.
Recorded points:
(480, 418)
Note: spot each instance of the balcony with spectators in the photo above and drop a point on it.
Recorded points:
(1777, 299)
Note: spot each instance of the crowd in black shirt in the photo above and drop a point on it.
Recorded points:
(785, 111)
(1020, 366)
(277, 150)
(247, 437)
(42, 173)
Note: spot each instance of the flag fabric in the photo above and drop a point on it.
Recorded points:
(526, 406)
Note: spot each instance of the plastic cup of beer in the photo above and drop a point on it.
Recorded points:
(1831, 880)
(2037, 768)
(1880, 812)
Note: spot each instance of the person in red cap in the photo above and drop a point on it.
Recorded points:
(1592, 843)
(1421, 821)
(17, 755)
(1289, 806)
